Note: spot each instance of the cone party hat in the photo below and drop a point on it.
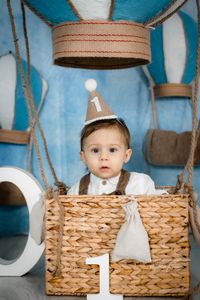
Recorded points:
(97, 108)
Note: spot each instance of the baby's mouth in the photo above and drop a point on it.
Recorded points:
(104, 168)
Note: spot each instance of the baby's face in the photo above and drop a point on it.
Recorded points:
(105, 152)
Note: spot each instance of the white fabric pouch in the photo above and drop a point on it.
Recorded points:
(132, 239)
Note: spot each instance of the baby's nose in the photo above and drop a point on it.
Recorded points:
(104, 155)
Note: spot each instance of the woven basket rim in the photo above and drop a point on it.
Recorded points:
(138, 198)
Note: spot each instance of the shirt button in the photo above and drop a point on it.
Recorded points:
(104, 182)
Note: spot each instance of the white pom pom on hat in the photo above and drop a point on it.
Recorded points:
(90, 85)
(97, 108)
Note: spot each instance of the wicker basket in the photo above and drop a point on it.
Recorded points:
(91, 224)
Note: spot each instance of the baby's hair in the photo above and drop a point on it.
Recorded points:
(111, 123)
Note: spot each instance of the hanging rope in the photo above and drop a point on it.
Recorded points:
(38, 14)
(31, 95)
(195, 135)
(29, 156)
(111, 10)
(153, 21)
(75, 11)
(62, 188)
(180, 186)
(153, 103)
(195, 131)
(56, 272)
(187, 187)
(190, 164)
(30, 145)
(25, 91)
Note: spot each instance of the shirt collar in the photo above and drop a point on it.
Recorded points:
(95, 180)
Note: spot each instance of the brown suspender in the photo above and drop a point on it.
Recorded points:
(84, 183)
(121, 185)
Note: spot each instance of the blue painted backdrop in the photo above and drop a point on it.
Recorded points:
(63, 113)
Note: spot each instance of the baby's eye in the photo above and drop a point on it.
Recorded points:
(113, 149)
(95, 150)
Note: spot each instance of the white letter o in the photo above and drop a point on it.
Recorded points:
(32, 252)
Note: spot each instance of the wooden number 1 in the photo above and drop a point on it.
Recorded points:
(95, 100)
(103, 262)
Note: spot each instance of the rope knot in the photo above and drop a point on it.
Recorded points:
(62, 187)
(179, 183)
(118, 192)
(49, 193)
(187, 188)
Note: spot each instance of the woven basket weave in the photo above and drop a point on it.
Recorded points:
(91, 224)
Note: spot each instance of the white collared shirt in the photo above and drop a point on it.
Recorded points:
(138, 184)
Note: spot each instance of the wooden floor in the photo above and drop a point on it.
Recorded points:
(31, 286)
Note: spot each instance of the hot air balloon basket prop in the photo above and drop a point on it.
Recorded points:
(171, 76)
(101, 44)
(78, 227)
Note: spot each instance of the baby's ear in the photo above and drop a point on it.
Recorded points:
(127, 155)
(82, 156)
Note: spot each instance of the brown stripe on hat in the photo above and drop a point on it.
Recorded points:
(97, 108)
